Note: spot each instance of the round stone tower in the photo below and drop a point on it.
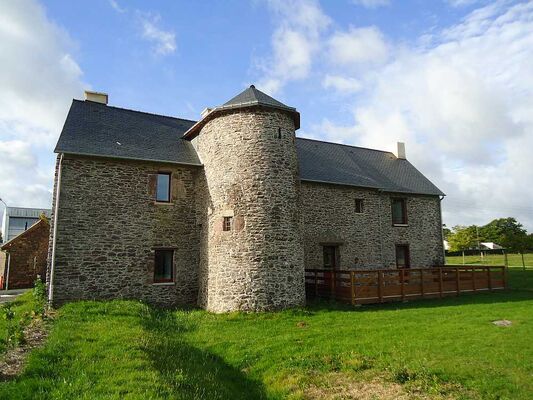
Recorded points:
(248, 195)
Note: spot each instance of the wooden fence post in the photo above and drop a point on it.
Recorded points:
(457, 284)
(352, 276)
(504, 275)
(422, 282)
(440, 282)
(380, 284)
(402, 278)
(333, 283)
(316, 283)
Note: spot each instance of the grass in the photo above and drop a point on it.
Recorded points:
(514, 260)
(22, 307)
(435, 348)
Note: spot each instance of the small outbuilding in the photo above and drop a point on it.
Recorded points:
(26, 256)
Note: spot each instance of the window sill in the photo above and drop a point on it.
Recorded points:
(163, 203)
(401, 225)
(163, 283)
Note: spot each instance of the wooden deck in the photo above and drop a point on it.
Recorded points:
(382, 285)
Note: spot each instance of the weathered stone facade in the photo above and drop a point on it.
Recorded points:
(27, 255)
(241, 224)
(109, 225)
(258, 264)
(367, 240)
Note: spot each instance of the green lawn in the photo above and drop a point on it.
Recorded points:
(514, 260)
(436, 348)
(22, 306)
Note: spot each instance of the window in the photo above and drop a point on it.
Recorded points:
(399, 212)
(330, 257)
(402, 256)
(279, 133)
(163, 187)
(227, 223)
(358, 206)
(163, 269)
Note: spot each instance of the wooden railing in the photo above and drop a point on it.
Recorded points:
(381, 285)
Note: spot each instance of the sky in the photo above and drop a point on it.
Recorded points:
(453, 79)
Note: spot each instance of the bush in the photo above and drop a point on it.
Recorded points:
(39, 294)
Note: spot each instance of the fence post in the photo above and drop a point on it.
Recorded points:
(352, 276)
(440, 282)
(380, 285)
(402, 284)
(333, 283)
(457, 285)
(504, 274)
(474, 278)
(316, 283)
(422, 282)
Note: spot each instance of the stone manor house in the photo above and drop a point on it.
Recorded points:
(225, 212)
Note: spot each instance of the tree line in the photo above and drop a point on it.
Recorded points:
(506, 232)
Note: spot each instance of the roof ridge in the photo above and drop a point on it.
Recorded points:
(139, 112)
(345, 145)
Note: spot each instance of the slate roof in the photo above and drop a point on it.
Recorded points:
(94, 129)
(250, 97)
(357, 166)
(253, 96)
(97, 129)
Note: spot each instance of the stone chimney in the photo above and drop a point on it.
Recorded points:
(97, 97)
(400, 153)
(206, 111)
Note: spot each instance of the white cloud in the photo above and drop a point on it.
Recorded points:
(341, 84)
(295, 42)
(463, 106)
(358, 46)
(114, 4)
(164, 41)
(375, 3)
(462, 3)
(39, 77)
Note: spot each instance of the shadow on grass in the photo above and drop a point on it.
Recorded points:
(191, 373)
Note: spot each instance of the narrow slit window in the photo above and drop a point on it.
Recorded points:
(358, 206)
(163, 187)
(279, 133)
(227, 224)
(164, 266)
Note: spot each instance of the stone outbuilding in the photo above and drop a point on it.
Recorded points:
(26, 256)
(228, 211)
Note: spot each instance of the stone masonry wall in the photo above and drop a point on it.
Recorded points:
(251, 173)
(368, 240)
(109, 225)
(27, 256)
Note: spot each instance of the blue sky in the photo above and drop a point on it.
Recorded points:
(451, 78)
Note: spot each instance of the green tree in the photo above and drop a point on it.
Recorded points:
(499, 229)
(463, 238)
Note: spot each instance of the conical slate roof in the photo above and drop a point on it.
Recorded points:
(253, 96)
(250, 97)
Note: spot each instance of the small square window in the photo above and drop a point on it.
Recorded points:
(358, 206)
(399, 211)
(163, 187)
(227, 223)
(164, 265)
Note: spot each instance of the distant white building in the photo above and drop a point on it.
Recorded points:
(17, 219)
(446, 245)
(490, 246)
